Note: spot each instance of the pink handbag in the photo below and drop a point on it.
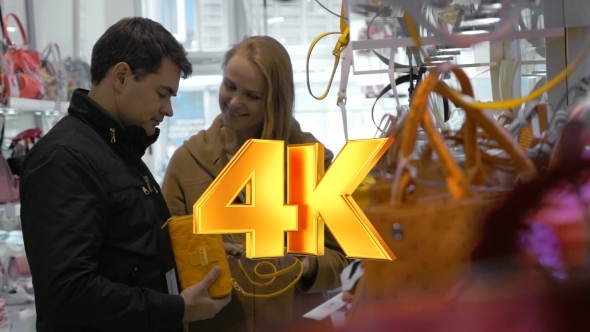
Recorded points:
(8, 185)
(18, 267)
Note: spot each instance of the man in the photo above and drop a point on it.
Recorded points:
(91, 210)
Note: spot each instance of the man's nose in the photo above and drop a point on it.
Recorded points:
(167, 109)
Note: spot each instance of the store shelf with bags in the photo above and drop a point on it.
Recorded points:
(17, 105)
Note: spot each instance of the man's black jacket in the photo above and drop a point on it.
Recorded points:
(91, 216)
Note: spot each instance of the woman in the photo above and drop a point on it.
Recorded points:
(256, 99)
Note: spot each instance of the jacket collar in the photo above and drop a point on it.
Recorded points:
(132, 139)
(207, 149)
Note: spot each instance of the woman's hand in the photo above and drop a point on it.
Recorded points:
(233, 249)
(310, 264)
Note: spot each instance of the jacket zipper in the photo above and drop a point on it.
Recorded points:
(150, 188)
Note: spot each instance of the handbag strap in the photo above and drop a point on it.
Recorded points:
(20, 27)
(3, 124)
(457, 181)
(341, 44)
(2, 25)
(53, 49)
(271, 276)
(400, 80)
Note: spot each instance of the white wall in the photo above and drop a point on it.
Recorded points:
(54, 22)
(95, 19)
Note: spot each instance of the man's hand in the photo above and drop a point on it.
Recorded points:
(198, 305)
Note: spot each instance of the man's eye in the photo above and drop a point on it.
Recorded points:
(161, 95)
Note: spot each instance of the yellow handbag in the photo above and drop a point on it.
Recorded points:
(432, 235)
(196, 254)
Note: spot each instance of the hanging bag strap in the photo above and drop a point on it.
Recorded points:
(2, 125)
(400, 80)
(272, 276)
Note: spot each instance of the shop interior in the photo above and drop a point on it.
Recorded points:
(508, 53)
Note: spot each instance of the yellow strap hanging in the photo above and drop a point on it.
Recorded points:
(340, 46)
(457, 97)
(270, 276)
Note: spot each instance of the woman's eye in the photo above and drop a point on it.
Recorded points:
(229, 86)
(161, 95)
(254, 97)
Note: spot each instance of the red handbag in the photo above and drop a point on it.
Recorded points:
(22, 63)
(29, 137)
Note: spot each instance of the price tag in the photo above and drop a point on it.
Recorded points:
(172, 284)
(327, 308)
(17, 210)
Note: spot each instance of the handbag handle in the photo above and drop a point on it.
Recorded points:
(3, 120)
(457, 181)
(52, 49)
(20, 27)
(57, 52)
(473, 155)
(522, 163)
(27, 136)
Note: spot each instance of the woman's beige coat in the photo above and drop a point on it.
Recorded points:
(191, 170)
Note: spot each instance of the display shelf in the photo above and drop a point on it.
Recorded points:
(17, 105)
(428, 41)
(9, 210)
(22, 317)
(407, 70)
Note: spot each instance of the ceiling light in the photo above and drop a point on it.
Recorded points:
(440, 58)
(474, 29)
(480, 18)
(449, 52)
(447, 48)
(490, 6)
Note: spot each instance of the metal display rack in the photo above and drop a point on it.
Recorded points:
(561, 29)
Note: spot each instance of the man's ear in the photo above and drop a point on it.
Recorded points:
(121, 75)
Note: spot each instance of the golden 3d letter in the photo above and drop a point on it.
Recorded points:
(259, 168)
(327, 199)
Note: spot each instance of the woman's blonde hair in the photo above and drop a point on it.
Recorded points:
(274, 62)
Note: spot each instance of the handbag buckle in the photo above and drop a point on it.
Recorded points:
(203, 255)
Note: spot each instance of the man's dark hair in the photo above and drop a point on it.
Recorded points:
(142, 44)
